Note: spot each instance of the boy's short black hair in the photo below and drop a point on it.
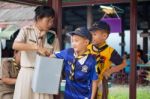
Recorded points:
(44, 11)
(100, 25)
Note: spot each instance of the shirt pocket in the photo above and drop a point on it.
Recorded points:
(32, 40)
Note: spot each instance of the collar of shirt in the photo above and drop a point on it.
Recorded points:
(36, 29)
(40, 40)
(97, 49)
(81, 59)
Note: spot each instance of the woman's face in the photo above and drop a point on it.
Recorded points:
(45, 23)
(79, 43)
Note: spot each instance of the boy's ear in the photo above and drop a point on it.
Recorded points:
(87, 42)
(105, 35)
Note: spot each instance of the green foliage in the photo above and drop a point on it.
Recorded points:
(122, 92)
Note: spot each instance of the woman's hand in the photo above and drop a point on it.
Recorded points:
(43, 51)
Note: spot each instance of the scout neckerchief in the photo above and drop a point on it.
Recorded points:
(99, 59)
(72, 71)
(15, 68)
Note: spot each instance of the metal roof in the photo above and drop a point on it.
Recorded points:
(8, 5)
(13, 13)
(18, 14)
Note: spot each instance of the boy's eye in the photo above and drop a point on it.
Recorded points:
(94, 34)
(76, 39)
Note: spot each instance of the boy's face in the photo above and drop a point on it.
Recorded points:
(98, 37)
(79, 43)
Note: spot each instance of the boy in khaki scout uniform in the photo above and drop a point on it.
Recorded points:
(105, 55)
(10, 69)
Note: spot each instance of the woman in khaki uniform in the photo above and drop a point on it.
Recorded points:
(10, 69)
(31, 40)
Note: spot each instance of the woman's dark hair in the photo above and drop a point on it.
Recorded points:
(44, 11)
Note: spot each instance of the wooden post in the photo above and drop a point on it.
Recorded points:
(57, 6)
(122, 36)
(105, 88)
(49, 3)
(145, 46)
(133, 43)
(89, 16)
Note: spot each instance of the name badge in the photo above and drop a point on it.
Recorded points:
(84, 69)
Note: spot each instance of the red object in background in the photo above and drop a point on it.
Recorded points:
(3, 26)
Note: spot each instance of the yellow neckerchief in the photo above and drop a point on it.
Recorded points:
(105, 55)
(72, 71)
(99, 59)
(15, 68)
(99, 48)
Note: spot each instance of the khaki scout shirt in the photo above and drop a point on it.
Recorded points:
(10, 70)
(29, 34)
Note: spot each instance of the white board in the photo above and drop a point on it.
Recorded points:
(47, 74)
